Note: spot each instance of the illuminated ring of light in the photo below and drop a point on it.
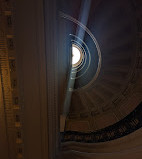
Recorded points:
(78, 68)
(86, 59)
(86, 55)
(68, 17)
(83, 50)
(77, 55)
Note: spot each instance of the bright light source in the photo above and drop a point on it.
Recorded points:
(75, 55)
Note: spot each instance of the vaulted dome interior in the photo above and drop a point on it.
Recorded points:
(102, 87)
(71, 79)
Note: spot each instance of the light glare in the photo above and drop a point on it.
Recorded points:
(75, 55)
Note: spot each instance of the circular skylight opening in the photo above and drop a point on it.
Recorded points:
(76, 55)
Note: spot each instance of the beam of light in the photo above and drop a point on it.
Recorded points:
(70, 88)
(68, 17)
(83, 18)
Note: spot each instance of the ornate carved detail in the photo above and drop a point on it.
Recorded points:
(12, 64)
(9, 20)
(10, 43)
(124, 127)
(9, 80)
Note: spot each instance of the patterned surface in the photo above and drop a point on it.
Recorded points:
(124, 127)
(117, 26)
(8, 75)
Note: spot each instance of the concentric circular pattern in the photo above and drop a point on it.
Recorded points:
(115, 92)
(77, 55)
(83, 59)
(84, 64)
(87, 71)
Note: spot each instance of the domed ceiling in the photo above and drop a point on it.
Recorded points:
(107, 83)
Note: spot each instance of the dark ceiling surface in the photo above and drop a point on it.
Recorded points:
(104, 99)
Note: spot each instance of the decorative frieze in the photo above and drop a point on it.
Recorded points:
(129, 124)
